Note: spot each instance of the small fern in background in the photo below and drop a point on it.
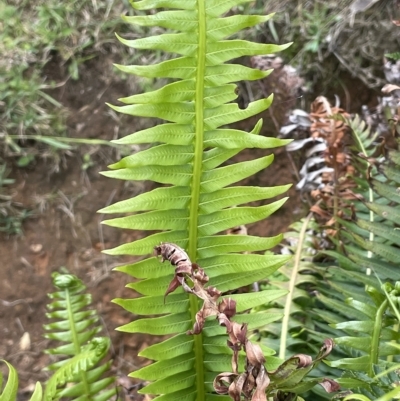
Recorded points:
(78, 375)
(75, 326)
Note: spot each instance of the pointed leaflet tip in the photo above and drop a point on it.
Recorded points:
(285, 46)
(257, 128)
(103, 173)
(112, 106)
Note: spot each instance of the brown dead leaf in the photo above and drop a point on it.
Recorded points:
(262, 382)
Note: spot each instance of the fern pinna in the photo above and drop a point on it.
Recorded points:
(198, 203)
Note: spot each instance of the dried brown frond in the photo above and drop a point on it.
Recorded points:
(323, 125)
(328, 170)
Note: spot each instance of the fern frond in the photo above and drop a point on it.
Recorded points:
(295, 273)
(192, 155)
(363, 323)
(375, 231)
(75, 326)
(368, 320)
(76, 368)
(378, 388)
(9, 393)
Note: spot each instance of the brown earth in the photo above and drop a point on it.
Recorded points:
(66, 230)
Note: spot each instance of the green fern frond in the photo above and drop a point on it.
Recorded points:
(75, 369)
(192, 155)
(383, 386)
(364, 141)
(90, 355)
(9, 393)
(358, 305)
(375, 227)
(294, 277)
(76, 326)
(370, 333)
(363, 323)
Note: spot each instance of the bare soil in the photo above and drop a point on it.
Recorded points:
(66, 230)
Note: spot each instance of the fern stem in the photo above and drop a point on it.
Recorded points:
(336, 192)
(376, 334)
(195, 188)
(199, 137)
(396, 328)
(75, 340)
(292, 283)
(371, 219)
(370, 197)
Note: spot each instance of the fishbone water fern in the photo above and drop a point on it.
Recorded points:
(75, 326)
(198, 203)
(350, 303)
(369, 255)
(78, 375)
(372, 247)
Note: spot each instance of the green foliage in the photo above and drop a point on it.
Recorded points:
(372, 239)
(379, 388)
(371, 255)
(9, 393)
(295, 277)
(76, 326)
(79, 375)
(394, 56)
(78, 366)
(358, 307)
(26, 107)
(302, 329)
(30, 35)
(193, 158)
(82, 367)
(12, 214)
(342, 296)
(34, 38)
